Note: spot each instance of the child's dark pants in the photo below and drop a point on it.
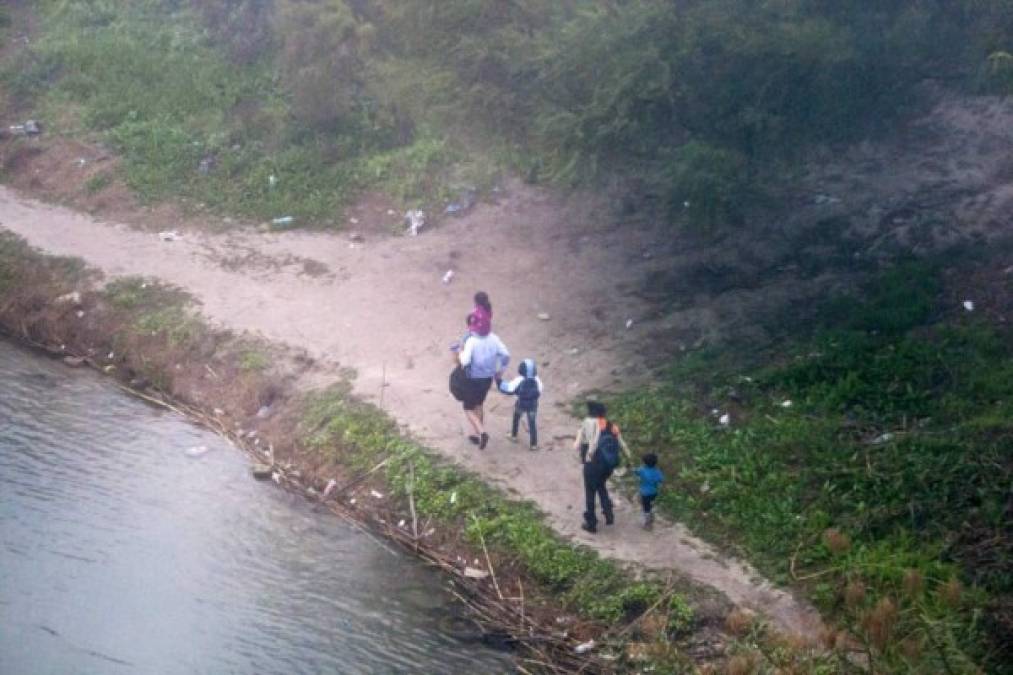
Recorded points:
(532, 427)
(647, 501)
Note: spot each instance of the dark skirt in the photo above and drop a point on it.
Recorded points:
(475, 392)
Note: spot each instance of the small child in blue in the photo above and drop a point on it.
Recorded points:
(650, 479)
(527, 387)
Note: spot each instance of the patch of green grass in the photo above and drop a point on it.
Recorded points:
(894, 435)
(98, 182)
(254, 360)
(413, 173)
(135, 292)
(20, 264)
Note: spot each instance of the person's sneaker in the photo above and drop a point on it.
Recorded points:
(610, 520)
(511, 437)
(483, 441)
(475, 439)
(588, 528)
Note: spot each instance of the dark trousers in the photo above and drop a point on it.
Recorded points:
(532, 427)
(595, 485)
(647, 501)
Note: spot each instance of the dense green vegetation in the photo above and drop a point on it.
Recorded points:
(874, 464)
(695, 100)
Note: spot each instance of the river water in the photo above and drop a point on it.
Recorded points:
(122, 553)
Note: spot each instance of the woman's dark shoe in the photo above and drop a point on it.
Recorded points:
(588, 528)
(474, 439)
(483, 441)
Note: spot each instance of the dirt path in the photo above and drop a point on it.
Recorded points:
(380, 307)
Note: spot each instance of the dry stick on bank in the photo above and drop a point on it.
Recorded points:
(492, 571)
(411, 504)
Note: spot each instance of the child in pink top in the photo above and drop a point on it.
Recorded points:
(480, 319)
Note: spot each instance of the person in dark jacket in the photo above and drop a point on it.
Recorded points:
(595, 432)
(527, 387)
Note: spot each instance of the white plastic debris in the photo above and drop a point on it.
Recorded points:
(629, 323)
(218, 412)
(453, 497)
(584, 647)
(80, 314)
(73, 298)
(283, 221)
(882, 439)
(401, 523)
(272, 180)
(331, 484)
(448, 277)
(196, 451)
(353, 221)
(169, 235)
(352, 500)
(475, 573)
(376, 495)
(969, 305)
(544, 316)
(725, 420)
(786, 403)
(416, 220)
(29, 128)
(276, 477)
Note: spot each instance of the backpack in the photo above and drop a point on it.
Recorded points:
(458, 383)
(607, 451)
(527, 393)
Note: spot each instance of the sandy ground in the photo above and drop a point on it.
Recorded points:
(380, 307)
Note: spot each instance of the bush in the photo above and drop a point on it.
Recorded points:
(708, 184)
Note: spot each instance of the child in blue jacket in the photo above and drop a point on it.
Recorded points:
(650, 479)
(527, 387)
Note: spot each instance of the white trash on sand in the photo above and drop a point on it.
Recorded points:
(416, 220)
(72, 298)
(169, 235)
(448, 277)
(969, 305)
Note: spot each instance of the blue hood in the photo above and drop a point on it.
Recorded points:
(528, 368)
